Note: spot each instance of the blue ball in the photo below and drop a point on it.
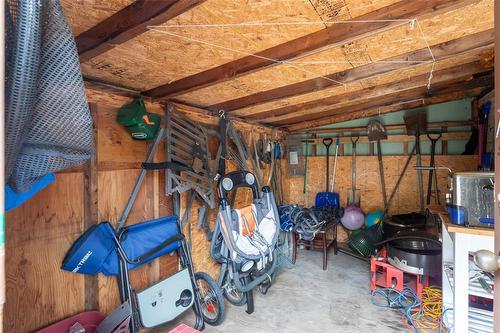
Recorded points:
(373, 218)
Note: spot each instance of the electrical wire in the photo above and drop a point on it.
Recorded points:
(423, 316)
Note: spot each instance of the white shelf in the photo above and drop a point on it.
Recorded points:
(475, 287)
(457, 285)
(480, 321)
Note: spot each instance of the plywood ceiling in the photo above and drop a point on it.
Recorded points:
(215, 33)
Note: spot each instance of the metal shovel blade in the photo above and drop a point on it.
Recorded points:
(376, 130)
(416, 123)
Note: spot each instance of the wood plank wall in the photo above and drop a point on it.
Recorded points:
(39, 233)
(368, 181)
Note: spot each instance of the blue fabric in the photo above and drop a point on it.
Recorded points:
(327, 199)
(95, 251)
(90, 250)
(14, 200)
(142, 237)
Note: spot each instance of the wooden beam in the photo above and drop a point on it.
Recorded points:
(463, 135)
(441, 51)
(91, 212)
(110, 88)
(447, 74)
(396, 97)
(403, 105)
(362, 129)
(128, 23)
(332, 36)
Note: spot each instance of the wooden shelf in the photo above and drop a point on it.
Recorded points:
(453, 228)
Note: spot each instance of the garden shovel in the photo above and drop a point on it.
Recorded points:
(376, 132)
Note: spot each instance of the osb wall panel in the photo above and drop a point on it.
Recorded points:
(368, 181)
(38, 234)
(405, 38)
(41, 231)
(165, 58)
(84, 14)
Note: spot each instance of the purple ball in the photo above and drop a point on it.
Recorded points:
(353, 219)
(352, 207)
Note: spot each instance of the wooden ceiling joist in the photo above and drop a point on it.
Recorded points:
(334, 35)
(396, 97)
(403, 104)
(440, 51)
(128, 23)
(461, 71)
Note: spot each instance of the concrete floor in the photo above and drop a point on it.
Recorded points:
(307, 299)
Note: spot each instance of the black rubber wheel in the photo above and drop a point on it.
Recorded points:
(233, 295)
(211, 299)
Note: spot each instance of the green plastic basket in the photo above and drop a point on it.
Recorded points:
(141, 124)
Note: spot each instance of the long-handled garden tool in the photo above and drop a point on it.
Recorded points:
(416, 124)
(376, 132)
(433, 175)
(353, 195)
(337, 144)
(304, 189)
(327, 198)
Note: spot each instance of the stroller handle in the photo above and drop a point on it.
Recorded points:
(237, 179)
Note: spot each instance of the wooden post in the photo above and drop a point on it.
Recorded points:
(341, 146)
(474, 110)
(2, 180)
(496, 305)
(314, 151)
(444, 143)
(91, 213)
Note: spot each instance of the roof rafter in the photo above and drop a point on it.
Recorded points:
(398, 102)
(447, 74)
(404, 105)
(128, 23)
(441, 51)
(331, 36)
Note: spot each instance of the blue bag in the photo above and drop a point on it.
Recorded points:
(89, 252)
(141, 238)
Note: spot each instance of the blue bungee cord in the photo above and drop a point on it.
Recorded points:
(406, 301)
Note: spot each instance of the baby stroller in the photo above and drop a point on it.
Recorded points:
(244, 240)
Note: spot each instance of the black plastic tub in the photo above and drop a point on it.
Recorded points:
(419, 250)
(403, 223)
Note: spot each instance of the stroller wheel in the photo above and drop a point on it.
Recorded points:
(264, 287)
(212, 302)
(232, 294)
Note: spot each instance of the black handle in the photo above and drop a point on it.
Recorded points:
(434, 139)
(327, 142)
